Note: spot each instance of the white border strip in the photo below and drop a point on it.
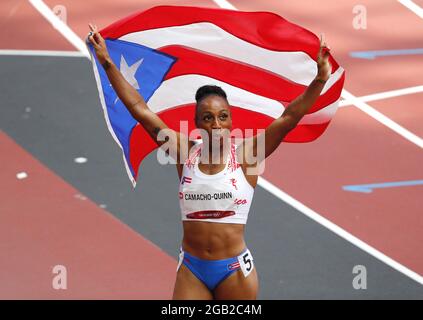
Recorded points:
(47, 53)
(60, 26)
(338, 230)
(383, 95)
(312, 214)
(413, 7)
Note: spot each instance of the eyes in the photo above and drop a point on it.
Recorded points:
(209, 117)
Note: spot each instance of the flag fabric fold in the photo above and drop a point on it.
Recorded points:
(262, 61)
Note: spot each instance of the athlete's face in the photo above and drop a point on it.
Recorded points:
(213, 115)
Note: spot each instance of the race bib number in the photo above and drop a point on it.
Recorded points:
(246, 262)
(181, 258)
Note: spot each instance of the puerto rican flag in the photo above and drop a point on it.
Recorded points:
(261, 60)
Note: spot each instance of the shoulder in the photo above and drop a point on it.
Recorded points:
(189, 158)
(193, 151)
(247, 160)
(244, 154)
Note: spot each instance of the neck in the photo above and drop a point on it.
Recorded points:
(215, 153)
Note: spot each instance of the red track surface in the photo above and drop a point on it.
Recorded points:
(24, 28)
(45, 222)
(406, 110)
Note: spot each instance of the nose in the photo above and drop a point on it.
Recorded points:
(216, 124)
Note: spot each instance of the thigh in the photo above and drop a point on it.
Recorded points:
(189, 287)
(238, 287)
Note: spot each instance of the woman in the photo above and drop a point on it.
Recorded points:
(215, 196)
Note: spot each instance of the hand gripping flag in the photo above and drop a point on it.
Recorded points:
(261, 60)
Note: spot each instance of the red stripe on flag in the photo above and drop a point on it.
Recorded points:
(264, 29)
(271, 85)
(141, 144)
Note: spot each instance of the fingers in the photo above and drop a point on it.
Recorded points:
(323, 41)
(92, 27)
(94, 36)
(320, 47)
(90, 34)
(326, 53)
(98, 38)
(324, 50)
(90, 39)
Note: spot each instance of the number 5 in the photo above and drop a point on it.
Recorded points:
(247, 260)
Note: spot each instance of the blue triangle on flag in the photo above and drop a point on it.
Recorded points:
(150, 66)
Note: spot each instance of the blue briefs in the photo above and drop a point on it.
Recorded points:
(213, 272)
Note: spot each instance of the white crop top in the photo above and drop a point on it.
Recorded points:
(224, 197)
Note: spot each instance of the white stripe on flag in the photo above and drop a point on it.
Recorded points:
(180, 91)
(296, 66)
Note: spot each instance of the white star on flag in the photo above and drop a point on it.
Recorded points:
(128, 72)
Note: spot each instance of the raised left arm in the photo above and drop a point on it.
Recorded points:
(279, 128)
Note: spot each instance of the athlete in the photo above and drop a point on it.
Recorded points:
(217, 180)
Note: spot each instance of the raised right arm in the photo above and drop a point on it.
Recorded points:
(178, 143)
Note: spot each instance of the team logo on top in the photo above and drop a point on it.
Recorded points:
(233, 181)
(240, 201)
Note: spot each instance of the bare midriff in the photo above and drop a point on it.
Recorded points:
(213, 241)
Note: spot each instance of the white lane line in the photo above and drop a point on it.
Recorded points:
(48, 53)
(60, 26)
(413, 7)
(383, 119)
(383, 95)
(319, 218)
(338, 230)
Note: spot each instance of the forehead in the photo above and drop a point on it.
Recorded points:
(212, 103)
